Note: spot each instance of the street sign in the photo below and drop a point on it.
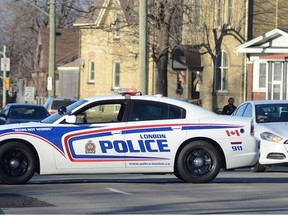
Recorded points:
(5, 64)
(29, 93)
(49, 83)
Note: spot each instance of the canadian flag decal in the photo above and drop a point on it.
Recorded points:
(232, 133)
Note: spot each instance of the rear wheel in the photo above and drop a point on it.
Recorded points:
(199, 162)
(17, 163)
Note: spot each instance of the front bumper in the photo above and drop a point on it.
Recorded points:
(273, 153)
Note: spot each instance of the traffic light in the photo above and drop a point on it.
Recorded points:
(7, 82)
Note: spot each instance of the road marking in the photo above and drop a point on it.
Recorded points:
(118, 191)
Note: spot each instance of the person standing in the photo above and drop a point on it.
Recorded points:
(180, 83)
(229, 108)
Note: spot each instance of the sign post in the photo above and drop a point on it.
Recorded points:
(5, 66)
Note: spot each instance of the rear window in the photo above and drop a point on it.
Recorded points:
(57, 103)
(147, 110)
(28, 113)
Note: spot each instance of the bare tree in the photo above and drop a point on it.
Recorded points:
(210, 30)
(165, 24)
(23, 23)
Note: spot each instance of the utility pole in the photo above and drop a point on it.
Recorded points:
(52, 47)
(142, 75)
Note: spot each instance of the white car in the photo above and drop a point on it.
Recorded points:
(128, 134)
(271, 125)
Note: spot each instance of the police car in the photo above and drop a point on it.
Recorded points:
(128, 134)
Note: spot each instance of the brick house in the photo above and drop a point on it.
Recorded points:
(109, 49)
(67, 51)
(266, 50)
(267, 65)
(216, 28)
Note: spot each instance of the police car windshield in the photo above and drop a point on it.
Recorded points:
(56, 116)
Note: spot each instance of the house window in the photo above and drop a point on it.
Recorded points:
(91, 71)
(262, 75)
(219, 11)
(197, 9)
(117, 25)
(221, 71)
(116, 74)
(229, 11)
(275, 88)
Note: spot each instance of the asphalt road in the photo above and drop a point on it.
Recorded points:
(232, 192)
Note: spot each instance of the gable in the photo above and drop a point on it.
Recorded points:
(100, 10)
(274, 41)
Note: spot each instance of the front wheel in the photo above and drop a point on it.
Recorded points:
(199, 162)
(17, 163)
(258, 168)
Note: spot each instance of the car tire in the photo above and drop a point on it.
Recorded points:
(199, 162)
(17, 163)
(258, 168)
(179, 176)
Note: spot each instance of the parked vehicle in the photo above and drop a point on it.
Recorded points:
(271, 126)
(19, 113)
(128, 134)
(53, 103)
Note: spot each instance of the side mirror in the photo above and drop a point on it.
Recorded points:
(2, 120)
(2, 115)
(62, 110)
(71, 119)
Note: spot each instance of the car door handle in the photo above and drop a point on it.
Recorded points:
(177, 128)
(116, 132)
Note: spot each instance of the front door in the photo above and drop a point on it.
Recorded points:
(93, 141)
(277, 81)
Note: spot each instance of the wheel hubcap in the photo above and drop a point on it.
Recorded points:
(198, 162)
(14, 163)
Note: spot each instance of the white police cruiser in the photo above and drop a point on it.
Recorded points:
(128, 134)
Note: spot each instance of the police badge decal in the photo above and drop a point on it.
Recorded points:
(90, 148)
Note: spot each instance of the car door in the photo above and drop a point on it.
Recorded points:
(153, 134)
(93, 141)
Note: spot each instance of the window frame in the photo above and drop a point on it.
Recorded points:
(229, 9)
(91, 73)
(122, 110)
(223, 72)
(197, 13)
(256, 76)
(219, 12)
(117, 25)
(116, 75)
(156, 104)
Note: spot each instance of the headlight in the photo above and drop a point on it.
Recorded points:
(270, 137)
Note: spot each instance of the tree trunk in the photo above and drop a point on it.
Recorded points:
(162, 63)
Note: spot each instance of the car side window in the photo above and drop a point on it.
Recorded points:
(101, 113)
(248, 111)
(147, 110)
(240, 110)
